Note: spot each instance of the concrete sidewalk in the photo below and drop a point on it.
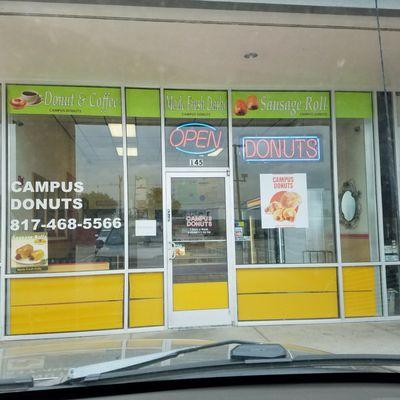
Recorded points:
(53, 357)
(359, 337)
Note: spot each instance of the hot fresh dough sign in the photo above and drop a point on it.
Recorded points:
(283, 201)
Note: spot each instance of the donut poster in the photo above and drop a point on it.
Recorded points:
(283, 201)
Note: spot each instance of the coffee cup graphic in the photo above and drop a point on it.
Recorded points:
(30, 96)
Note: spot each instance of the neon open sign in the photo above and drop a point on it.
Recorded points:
(196, 138)
(281, 148)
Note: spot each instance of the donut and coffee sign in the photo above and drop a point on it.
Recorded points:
(278, 105)
(63, 100)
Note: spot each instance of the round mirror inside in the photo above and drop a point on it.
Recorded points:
(348, 205)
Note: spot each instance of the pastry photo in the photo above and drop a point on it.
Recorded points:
(242, 107)
(283, 206)
(27, 255)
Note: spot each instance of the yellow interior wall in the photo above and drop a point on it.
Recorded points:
(146, 303)
(287, 293)
(65, 304)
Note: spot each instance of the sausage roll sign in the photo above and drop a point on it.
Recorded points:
(283, 201)
(302, 105)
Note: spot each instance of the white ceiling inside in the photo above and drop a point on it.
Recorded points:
(205, 51)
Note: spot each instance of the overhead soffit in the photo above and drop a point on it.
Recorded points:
(196, 48)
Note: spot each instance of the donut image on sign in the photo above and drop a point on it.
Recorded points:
(283, 206)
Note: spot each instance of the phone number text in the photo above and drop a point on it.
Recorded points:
(62, 224)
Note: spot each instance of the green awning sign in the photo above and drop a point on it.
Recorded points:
(195, 104)
(280, 105)
(144, 103)
(353, 104)
(64, 100)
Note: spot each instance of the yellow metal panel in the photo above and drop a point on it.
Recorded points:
(287, 306)
(360, 304)
(66, 317)
(146, 285)
(358, 278)
(275, 280)
(71, 289)
(146, 312)
(200, 296)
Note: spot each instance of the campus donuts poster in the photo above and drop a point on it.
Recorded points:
(283, 201)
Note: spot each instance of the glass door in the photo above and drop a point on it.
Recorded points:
(197, 249)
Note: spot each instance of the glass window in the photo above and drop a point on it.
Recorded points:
(196, 128)
(356, 177)
(283, 178)
(66, 179)
(393, 289)
(390, 200)
(144, 178)
(199, 229)
(1, 167)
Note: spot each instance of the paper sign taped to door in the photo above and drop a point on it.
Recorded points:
(146, 227)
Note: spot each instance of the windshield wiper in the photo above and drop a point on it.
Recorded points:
(246, 353)
(95, 370)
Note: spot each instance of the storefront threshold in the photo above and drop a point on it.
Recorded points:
(316, 321)
(181, 328)
(82, 333)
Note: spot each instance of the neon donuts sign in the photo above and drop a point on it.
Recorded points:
(197, 138)
(281, 148)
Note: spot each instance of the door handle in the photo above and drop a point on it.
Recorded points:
(172, 249)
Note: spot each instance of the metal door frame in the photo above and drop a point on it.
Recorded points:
(179, 319)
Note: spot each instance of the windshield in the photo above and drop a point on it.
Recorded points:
(176, 174)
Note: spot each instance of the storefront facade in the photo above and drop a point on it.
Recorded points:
(146, 207)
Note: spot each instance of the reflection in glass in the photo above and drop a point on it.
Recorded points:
(255, 245)
(145, 192)
(79, 152)
(389, 175)
(355, 155)
(393, 289)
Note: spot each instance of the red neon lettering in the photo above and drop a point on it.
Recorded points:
(276, 151)
(292, 150)
(312, 148)
(249, 151)
(281, 148)
(199, 138)
(212, 134)
(263, 153)
(173, 135)
(300, 142)
(189, 138)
